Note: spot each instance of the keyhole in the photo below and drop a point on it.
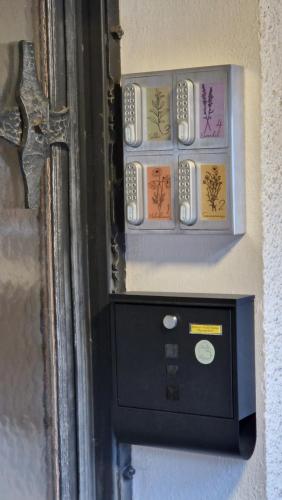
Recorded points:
(37, 130)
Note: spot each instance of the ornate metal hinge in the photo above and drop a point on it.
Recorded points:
(33, 127)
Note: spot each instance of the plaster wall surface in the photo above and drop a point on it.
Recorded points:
(185, 33)
(271, 137)
(22, 434)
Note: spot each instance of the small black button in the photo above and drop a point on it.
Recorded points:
(171, 351)
(171, 370)
(172, 392)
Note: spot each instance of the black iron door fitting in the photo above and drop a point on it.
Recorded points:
(33, 126)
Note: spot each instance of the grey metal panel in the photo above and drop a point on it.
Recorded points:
(199, 76)
(230, 146)
(146, 81)
(200, 157)
(237, 137)
(174, 226)
(151, 160)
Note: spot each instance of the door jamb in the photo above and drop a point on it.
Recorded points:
(84, 247)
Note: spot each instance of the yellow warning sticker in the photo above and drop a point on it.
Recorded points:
(197, 329)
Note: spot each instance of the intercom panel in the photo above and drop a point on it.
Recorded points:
(183, 371)
(148, 107)
(195, 116)
(208, 191)
(211, 92)
(149, 189)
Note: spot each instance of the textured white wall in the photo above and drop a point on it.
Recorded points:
(22, 433)
(185, 33)
(271, 43)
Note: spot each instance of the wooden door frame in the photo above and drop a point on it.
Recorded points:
(83, 248)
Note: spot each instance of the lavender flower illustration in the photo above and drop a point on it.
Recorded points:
(158, 112)
(213, 182)
(208, 109)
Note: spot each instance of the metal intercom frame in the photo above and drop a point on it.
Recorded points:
(231, 147)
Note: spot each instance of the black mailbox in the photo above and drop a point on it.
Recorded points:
(183, 370)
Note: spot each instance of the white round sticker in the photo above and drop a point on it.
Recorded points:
(205, 352)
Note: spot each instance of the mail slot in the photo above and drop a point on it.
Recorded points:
(183, 371)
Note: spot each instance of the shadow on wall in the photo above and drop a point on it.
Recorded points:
(194, 249)
(185, 475)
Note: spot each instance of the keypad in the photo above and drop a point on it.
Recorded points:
(184, 180)
(132, 115)
(129, 104)
(182, 100)
(133, 179)
(131, 182)
(185, 112)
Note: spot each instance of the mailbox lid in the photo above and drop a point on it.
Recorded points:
(160, 369)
